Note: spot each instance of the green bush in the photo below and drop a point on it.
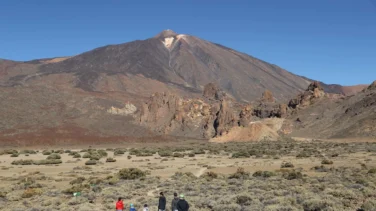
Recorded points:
(327, 162)
(23, 162)
(265, 174)
(59, 151)
(198, 151)
(291, 175)
(178, 155)
(210, 175)
(14, 155)
(75, 189)
(77, 156)
(165, 153)
(110, 160)
(119, 151)
(28, 152)
(46, 152)
(86, 155)
(48, 162)
(102, 153)
(241, 154)
(91, 162)
(78, 180)
(9, 151)
(53, 156)
(287, 165)
(240, 174)
(372, 171)
(131, 174)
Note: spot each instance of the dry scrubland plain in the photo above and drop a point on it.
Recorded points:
(283, 175)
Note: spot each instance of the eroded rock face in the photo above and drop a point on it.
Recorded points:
(209, 117)
(169, 114)
(225, 119)
(267, 96)
(212, 92)
(245, 115)
(372, 86)
(313, 92)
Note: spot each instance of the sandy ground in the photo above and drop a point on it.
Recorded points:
(198, 165)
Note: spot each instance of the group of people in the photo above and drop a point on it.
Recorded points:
(177, 204)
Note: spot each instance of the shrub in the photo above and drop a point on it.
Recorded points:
(110, 160)
(178, 155)
(59, 151)
(86, 155)
(265, 174)
(327, 162)
(303, 154)
(53, 156)
(334, 155)
(372, 171)
(210, 175)
(291, 175)
(240, 174)
(129, 157)
(28, 152)
(46, 152)
(48, 162)
(30, 192)
(23, 162)
(165, 153)
(198, 151)
(77, 156)
(102, 153)
(244, 199)
(131, 174)
(78, 180)
(191, 155)
(242, 154)
(91, 162)
(10, 151)
(119, 151)
(287, 165)
(14, 155)
(75, 189)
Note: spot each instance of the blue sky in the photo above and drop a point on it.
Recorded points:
(329, 40)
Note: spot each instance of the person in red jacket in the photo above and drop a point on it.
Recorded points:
(120, 205)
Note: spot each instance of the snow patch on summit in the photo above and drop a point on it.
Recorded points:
(168, 42)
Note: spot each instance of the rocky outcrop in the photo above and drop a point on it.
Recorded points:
(169, 114)
(225, 119)
(245, 115)
(212, 92)
(267, 96)
(372, 86)
(313, 92)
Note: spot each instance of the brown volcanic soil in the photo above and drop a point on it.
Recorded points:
(347, 117)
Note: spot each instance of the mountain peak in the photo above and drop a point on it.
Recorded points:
(166, 33)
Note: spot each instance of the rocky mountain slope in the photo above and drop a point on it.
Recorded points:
(182, 63)
(170, 85)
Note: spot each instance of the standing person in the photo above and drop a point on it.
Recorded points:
(162, 202)
(132, 208)
(120, 205)
(146, 208)
(174, 203)
(182, 204)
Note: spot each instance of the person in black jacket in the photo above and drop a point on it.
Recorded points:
(162, 202)
(174, 203)
(182, 204)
